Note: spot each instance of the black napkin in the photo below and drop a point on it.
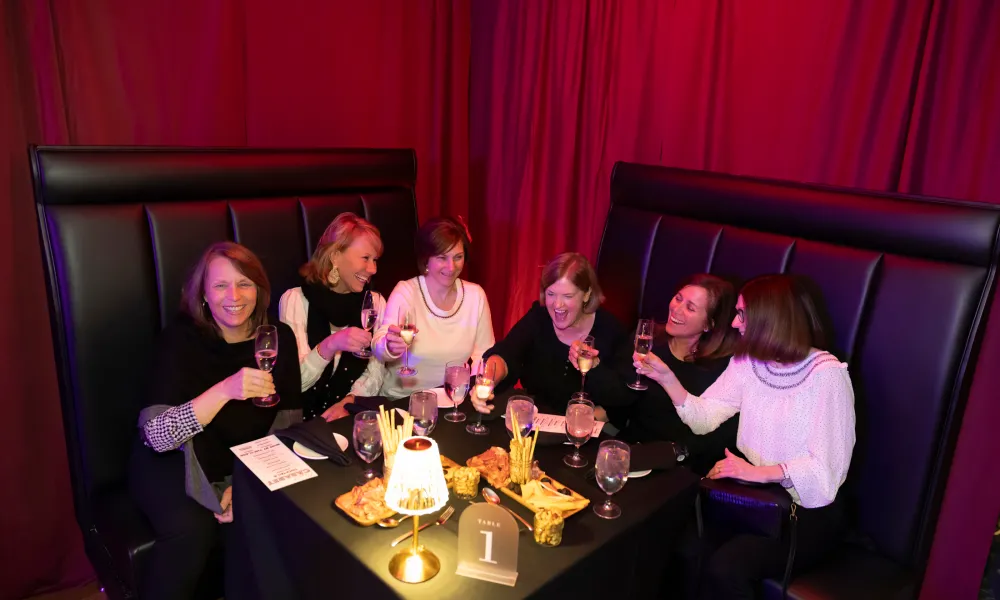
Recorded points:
(317, 435)
(652, 455)
(363, 403)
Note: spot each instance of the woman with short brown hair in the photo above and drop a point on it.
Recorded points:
(196, 409)
(452, 315)
(797, 421)
(542, 348)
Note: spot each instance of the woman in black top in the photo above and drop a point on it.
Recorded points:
(541, 349)
(697, 342)
(196, 409)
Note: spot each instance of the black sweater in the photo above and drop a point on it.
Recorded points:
(652, 416)
(191, 360)
(540, 360)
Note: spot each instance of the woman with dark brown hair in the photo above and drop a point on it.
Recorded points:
(542, 348)
(452, 315)
(196, 409)
(696, 343)
(796, 408)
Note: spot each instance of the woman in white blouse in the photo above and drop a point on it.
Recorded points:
(453, 321)
(325, 314)
(796, 408)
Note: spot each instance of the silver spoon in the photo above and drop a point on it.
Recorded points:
(390, 522)
(493, 498)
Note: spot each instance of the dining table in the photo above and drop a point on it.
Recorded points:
(295, 543)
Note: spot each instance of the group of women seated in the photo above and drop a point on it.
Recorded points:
(740, 383)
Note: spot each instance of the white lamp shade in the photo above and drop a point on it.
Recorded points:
(416, 485)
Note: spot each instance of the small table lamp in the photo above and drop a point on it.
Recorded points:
(416, 487)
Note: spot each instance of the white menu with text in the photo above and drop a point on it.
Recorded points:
(273, 463)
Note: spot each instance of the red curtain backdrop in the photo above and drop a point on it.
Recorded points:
(896, 95)
(518, 110)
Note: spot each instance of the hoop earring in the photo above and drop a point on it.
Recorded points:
(334, 276)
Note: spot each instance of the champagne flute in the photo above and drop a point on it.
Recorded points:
(456, 384)
(522, 407)
(367, 442)
(424, 410)
(368, 317)
(612, 473)
(643, 343)
(483, 389)
(579, 427)
(265, 350)
(407, 327)
(585, 358)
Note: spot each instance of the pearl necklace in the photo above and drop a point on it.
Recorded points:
(420, 286)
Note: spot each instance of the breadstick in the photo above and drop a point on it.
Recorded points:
(379, 418)
(517, 430)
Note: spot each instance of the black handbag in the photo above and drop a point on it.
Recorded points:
(737, 507)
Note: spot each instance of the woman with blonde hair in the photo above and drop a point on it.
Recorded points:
(325, 315)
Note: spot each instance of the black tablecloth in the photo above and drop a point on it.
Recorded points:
(296, 544)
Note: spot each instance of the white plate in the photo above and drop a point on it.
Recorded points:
(311, 454)
(443, 400)
(638, 474)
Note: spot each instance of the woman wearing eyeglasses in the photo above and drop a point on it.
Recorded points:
(796, 407)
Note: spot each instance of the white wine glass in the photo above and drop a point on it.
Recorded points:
(265, 351)
(456, 385)
(585, 358)
(579, 427)
(407, 329)
(612, 473)
(483, 389)
(368, 317)
(424, 410)
(367, 442)
(643, 343)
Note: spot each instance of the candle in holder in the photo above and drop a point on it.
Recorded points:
(548, 527)
(484, 387)
(465, 482)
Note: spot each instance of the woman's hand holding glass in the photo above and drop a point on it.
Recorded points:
(653, 367)
(348, 339)
(579, 346)
(247, 383)
(394, 340)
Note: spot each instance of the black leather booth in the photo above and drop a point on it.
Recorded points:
(120, 227)
(905, 283)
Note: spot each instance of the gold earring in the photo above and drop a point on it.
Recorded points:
(334, 275)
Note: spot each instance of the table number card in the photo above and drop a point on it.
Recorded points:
(487, 544)
(271, 461)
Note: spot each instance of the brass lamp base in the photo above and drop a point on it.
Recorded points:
(414, 565)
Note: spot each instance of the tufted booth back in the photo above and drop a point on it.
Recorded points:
(905, 282)
(121, 227)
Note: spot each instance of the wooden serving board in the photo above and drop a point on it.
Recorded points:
(344, 502)
(555, 484)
